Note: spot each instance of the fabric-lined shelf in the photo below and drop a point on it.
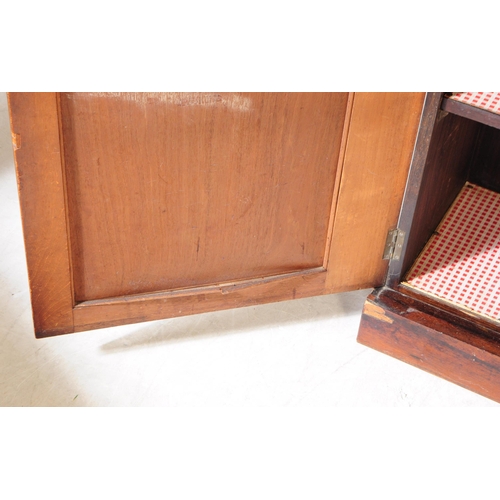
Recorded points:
(461, 262)
(482, 107)
(489, 101)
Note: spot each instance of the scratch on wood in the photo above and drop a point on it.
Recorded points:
(376, 312)
(206, 99)
(162, 179)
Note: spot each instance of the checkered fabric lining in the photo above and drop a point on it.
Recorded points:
(461, 262)
(490, 101)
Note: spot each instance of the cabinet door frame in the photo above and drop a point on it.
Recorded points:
(377, 142)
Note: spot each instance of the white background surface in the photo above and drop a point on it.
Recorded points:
(297, 353)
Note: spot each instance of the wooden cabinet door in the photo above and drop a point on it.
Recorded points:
(140, 206)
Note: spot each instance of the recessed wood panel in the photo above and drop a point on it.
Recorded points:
(174, 190)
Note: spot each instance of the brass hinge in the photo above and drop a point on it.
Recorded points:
(394, 244)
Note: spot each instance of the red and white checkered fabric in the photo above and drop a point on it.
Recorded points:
(490, 101)
(461, 262)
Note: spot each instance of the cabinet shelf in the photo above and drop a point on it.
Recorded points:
(482, 107)
(461, 262)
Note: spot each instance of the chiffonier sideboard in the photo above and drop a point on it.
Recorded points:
(141, 206)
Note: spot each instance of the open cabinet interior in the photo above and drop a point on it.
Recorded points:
(453, 247)
(440, 306)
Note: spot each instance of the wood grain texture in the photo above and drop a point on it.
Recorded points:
(179, 190)
(382, 133)
(434, 340)
(34, 125)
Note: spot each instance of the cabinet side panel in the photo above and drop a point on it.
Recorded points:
(484, 170)
(446, 170)
(377, 158)
(35, 131)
